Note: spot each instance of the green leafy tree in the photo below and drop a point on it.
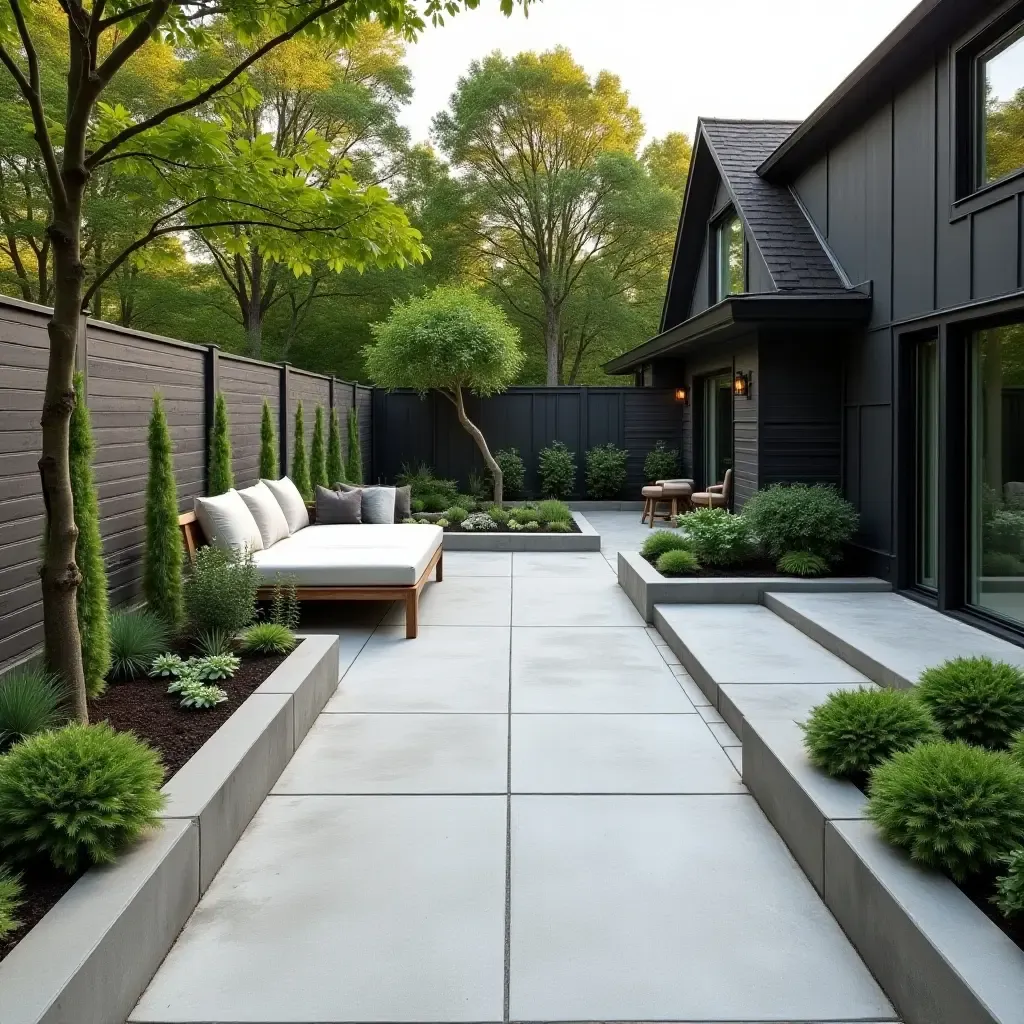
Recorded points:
(161, 561)
(93, 600)
(354, 466)
(221, 477)
(452, 340)
(335, 466)
(268, 445)
(317, 454)
(300, 461)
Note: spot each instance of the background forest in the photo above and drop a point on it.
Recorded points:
(537, 188)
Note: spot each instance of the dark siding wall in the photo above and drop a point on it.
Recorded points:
(701, 289)
(746, 431)
(245, 385)
(364, 406)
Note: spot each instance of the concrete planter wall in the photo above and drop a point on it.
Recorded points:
(94, 953)
(588, 539)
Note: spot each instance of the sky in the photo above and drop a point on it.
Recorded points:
(678, 59)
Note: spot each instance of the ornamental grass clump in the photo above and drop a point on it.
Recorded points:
(10, 901)
(678, 562)
(553, 511)
(136, 638)
(802, 563)
(718, 537)
(853, 731)
(953, 807)
(976, 700)
(77, 796)
(660, 541)
(801, 517)
(268, 638)
(31, 700)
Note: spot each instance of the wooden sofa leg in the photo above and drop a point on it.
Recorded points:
(440, 567)
(412, 615)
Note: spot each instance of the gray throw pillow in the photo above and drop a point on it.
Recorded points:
(338, 508)
(378, 504)
(403, 503)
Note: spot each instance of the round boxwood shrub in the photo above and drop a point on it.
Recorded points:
(679, 562)
(951, 806)
(456, 514)
(976, 700)
(802, 563)
(606, 471)
(660, 541)
(557, 471)
(662, 463)
(855, 730)
(77, 796)
(718, 537)
(800, 517)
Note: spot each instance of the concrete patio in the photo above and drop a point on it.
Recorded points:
(531, 813)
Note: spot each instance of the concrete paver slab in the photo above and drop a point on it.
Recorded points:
(571, 565)
(461, 601)
(477, 563)
(588, 601)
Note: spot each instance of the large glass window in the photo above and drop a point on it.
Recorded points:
(927, 463)
(731, 277)
(717, 427)
(1000, 96)
(997, 471)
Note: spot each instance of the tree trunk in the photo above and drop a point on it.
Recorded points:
(481, 442)
(552, 334)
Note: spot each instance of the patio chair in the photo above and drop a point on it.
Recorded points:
(716, 496)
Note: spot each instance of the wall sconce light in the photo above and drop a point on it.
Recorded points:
(742, 383)
(682, 395)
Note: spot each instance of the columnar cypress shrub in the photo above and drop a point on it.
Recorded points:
(93, 603)
(268, 445)
(317, 455)
(335, 465)
(221, 477)
(354, 469)
(300, 464)
(161, 575)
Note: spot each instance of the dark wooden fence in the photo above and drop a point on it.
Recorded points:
(408, 429)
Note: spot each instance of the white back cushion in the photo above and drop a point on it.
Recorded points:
(268, 515)
(228, 523)
(292, 505)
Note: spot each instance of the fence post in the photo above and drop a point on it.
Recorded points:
(82, 352)
(330, 394)
(211, 381)
(283, 415)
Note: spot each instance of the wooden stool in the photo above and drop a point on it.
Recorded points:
(674, 493)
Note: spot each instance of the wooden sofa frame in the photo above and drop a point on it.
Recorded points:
(192, 533)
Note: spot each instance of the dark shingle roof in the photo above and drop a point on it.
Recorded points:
(795, 257)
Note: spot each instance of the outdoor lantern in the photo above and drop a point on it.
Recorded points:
(741, 384)
(682, 395)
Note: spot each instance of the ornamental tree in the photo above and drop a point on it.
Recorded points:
(451, 340)
(318, 453)
(268, 445)
(222, 479)
(197, 171)
(335, 465)
(300, 460)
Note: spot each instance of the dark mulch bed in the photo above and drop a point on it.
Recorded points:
(504, 529)
(144, 707)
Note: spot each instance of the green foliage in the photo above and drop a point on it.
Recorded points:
(421, 480)
(354, 465)
(1009, 897)
(662, 463)
(434, 502)
(456, 515)
(606, 471)
(718, 537)
(284, 604)
(523, 514)
(167, 666)
(1017, 748)
(499, 514)
(557, 471)
(680, 562)
(215, 641)
(560, 526)
(31, 700)
(201, 696)
(417, 505)
(318, 454)
(77, 796)
(802, 563)
(10, 901)
(1003, 533)
(951, 806)
(220, 591)
(268, 638)
(137, 638)
(300, 465)
(855, 730)
(335, 464)
(467, 501)
(162, 558)
(268, 445)
(554, 511)
(660, 541)
(92, 598)
(513, 471)
(215, 667)
(801, 517)
(222, 479)
(479, 522)
(975, 700)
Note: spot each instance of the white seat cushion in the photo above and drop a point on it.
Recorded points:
(292, 505)
(267, 512)
(352, 556)
(227, 522)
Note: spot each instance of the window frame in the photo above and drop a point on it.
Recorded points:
(726, 217)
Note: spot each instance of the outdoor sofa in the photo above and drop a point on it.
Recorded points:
(326, 562)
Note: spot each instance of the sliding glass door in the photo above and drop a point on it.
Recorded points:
(926, 445)
(717, 427)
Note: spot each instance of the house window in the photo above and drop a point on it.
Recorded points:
(999, 106)
(926, 458)
(731, 276)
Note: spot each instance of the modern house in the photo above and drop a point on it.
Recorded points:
(846, 305)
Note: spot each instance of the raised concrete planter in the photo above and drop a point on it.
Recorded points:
(646, 586)
(588, 539)
(91, 957)
(607, 506)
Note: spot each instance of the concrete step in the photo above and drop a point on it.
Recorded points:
(751, 663)
(890, 639)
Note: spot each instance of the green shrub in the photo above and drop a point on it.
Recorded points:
(801, 517)
(136, 638)
(220, 591)
(162, 558)
(479, 487)
(557, 471)
(335, 463)
(553, 511)
(718, 537)
(416, 505)
(499, 514)
(435, 502)
(318, 454)
(660, 541)
(855, 730)
(93, 602)
(523, 514)
(951, 806)
(802, 563)
(606, 471)
(10, 901)
(456, 515)
(221, 477)
(354, 465)
(999, 563)
(559, 526)
(1009, 897)
(284, 604)
(513, 471)
(466, 501)
(268, 638)
(77, 796)
(1003, 532)
(679, 562)
(268, 445)
(300, 463)
(662, 463)
(421, 480)
(975, 700)
(31, 700)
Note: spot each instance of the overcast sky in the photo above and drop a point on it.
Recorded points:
(678, 58)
